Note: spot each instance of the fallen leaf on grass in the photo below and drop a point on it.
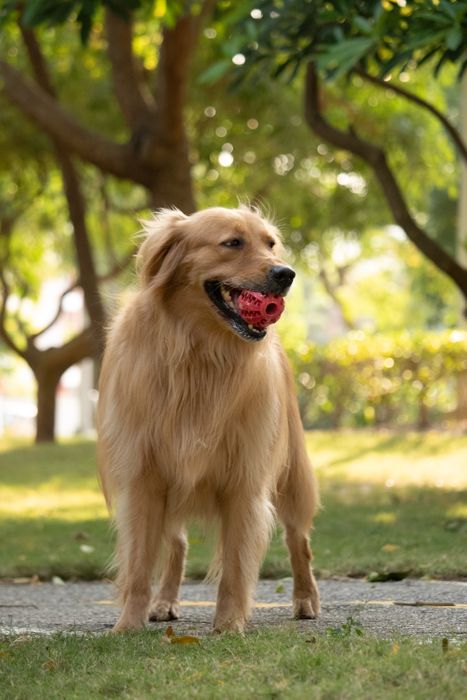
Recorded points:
(50, 665)
(395, 648)
(171, 638)
(185, 639)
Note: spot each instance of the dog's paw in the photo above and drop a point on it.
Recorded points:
(305, 609)
(236, 625)
(164, 610)
(127, 625)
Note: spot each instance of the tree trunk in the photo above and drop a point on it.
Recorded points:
(172, 186)
(76, 204)
(462, 245)
(47, 382)
(48, 366)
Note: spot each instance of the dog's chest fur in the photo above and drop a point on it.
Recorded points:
(217, 419)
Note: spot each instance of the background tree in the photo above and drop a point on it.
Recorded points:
(253, 144)
(151, 100)
(24, 259)
(154, 156)
(370, 39)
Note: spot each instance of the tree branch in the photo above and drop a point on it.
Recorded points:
(172, 75)
(58, 312)
(72, 352)
(114, 271)
(398, 90)
(376, 158)
(3, 331)
(331, 290)
(46, 112)
(136, 104)
(75, 201)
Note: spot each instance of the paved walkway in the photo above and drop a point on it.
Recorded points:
(410, 607)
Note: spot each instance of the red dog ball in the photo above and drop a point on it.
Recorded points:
(259, 310)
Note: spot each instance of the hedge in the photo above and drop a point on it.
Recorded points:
(405, 379)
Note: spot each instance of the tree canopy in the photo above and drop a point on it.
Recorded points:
(336, 39)
(340, 35)
(134, 103)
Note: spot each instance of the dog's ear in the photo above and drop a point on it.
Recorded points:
(163, 249)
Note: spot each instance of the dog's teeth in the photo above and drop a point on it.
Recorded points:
(250, 327)
(226, 295)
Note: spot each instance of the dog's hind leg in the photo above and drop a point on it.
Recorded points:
(296, 501)
(140, 513)
(165, 604)
(306, 603)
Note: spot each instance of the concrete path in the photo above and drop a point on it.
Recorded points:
(410, 607)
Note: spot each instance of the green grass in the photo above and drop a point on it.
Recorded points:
(267, 664)
(392, 504)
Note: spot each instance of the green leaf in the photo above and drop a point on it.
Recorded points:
(46, 11)
(214, 72)
(454, 38)
(341, 58)
(362, 24)
(85, 18)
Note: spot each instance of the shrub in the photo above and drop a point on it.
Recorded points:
(373, 380)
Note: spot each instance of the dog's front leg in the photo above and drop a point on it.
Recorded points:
(165, 604)
(140, 513)
(246, 524)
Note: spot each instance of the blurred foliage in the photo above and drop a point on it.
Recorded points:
(274, 41)
(373, 380)
(251, 144)
(87, 12)
(341, 34)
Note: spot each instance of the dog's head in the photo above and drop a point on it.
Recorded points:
(201, 265)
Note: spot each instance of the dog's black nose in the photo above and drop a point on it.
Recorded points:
(282, 276)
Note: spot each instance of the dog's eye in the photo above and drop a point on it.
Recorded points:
(233, 243)
(271, 244)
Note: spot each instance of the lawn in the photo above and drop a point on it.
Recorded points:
(393, 505)
(266, 664)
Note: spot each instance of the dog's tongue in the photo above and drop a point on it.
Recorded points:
(259, 310)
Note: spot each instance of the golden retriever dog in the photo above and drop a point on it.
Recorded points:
(198, 418)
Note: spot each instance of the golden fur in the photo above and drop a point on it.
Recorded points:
(196, 422)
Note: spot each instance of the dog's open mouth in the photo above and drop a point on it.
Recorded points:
(249, 312)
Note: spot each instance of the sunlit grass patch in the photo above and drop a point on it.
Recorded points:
(378, 489)
(391, 459)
